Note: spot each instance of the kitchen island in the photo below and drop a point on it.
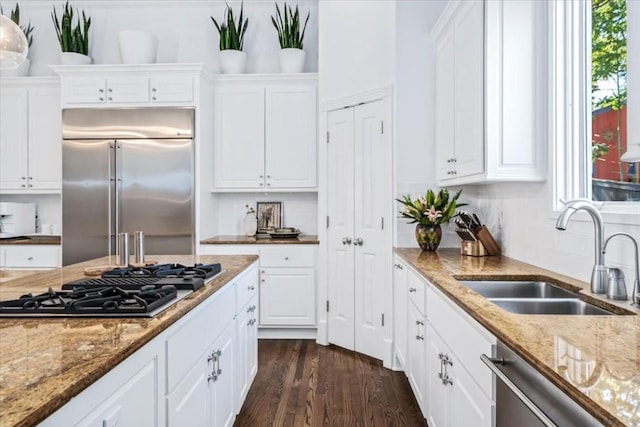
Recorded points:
(593, 359)
(46, 362)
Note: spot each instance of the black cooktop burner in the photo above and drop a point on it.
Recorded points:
(201, 271)
(94, 301)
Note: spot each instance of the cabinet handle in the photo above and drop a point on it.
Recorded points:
(346, 240)
(358, 241)
(101, 90)
(30, 258)
(419, 323)
(23, 186)
(153, 98)
(268, 176)
(262, 271)
(454, 160)
(412, 289)
(261, 176)
(419, 337)
(261, 184)
(110, 99)
(446, 380)
(286, 258)
(101, 99)
(251, 287)
(153, 89)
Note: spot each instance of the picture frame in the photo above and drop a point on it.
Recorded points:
(269, 215)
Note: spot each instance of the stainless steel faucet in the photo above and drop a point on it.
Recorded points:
(599, 273)
(635, 295)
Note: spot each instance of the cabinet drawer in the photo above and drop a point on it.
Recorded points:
(206, 322)
(464, 336)
(246, 287)
(32, 256)
(416, 290)
(287, 256)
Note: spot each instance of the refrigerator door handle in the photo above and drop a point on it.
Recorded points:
(110, 192)
(118, 183)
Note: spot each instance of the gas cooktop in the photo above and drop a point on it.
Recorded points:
(122, 292)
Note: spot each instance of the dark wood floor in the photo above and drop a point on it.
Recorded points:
(301, 383)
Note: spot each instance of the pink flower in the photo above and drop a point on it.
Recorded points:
(433, 214)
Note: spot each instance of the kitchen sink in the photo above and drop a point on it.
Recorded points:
(532, 297)
(548, 306)
(517, 289)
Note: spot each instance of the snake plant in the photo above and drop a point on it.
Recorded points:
(26, 29)
(72, 39)
(289, 27)
(231, 35)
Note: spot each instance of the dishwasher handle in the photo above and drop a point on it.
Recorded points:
(491, 364)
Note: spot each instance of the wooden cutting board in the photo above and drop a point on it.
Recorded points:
(97, 271)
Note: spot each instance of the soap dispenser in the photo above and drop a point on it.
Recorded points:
(617, 288)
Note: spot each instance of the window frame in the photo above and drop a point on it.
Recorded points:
(570, 127)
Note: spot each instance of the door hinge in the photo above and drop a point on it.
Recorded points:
(327, 306)
(327, 137)
(383, 320)
(327, 221)
(381, 126)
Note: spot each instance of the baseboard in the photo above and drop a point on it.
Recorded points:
(287, 333)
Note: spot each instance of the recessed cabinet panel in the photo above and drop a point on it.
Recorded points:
(84, 90)
(45, 136)
(13, 138)
(286, 296)
(290, 136)
(165, 89)
(239, 129)
(32, 256)
(128, 89)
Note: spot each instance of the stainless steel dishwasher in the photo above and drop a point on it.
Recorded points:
(527, 399)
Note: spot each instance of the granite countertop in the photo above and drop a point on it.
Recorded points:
(303, 239)
(44, 362)
(43, 239)
(594, 359)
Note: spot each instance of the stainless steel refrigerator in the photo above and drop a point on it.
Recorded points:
(125, 170)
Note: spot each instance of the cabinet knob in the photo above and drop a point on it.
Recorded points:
(260, 176)
(154, 98)
(23, 177)
(101, 99)
(30, 185)
(110, 99)
(419, 323)
(346, 240)
(153, 89)
(251, 288)
(268, 176)
(412, 289)
(268, 184)
(30, 258)
(261, 184)
(419, 337)
(23, 186)
(286, 258)
(101, 90)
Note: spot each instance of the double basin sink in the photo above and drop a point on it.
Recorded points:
(533, 297)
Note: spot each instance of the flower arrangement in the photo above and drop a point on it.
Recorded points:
(432, 208)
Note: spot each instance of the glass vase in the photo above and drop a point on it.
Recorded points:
(428, 236)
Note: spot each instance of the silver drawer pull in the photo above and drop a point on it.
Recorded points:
(491, 364)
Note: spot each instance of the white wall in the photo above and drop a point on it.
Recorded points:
(528, 233)
(47, 207)
(184, 28)
(298, 210)
(356, 47)
(414, 119)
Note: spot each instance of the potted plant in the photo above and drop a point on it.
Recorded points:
(290, 38)
(429, 211)
(22, 69)
(232, 58)
(73, 38)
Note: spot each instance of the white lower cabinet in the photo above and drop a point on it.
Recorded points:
(30, 256)
(454, 399)
(189, 375)
(443, 350)
(288, 286)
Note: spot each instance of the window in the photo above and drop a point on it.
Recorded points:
(589, 118)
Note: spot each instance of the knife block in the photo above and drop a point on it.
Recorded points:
(470, 248)
(491, 247)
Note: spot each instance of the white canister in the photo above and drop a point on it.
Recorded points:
(137, 47)
(250, 224)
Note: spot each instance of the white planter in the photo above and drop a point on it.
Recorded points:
(232, 61)
(137, 47)
(20, 71)
(74, 58)
(291, 60)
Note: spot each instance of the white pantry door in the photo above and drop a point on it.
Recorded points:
(370, 264)
(356, 206)
(340, 207)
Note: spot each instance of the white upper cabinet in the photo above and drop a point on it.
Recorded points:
(265, 133)
(127, 86)
(30, 135)
(490, 92)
